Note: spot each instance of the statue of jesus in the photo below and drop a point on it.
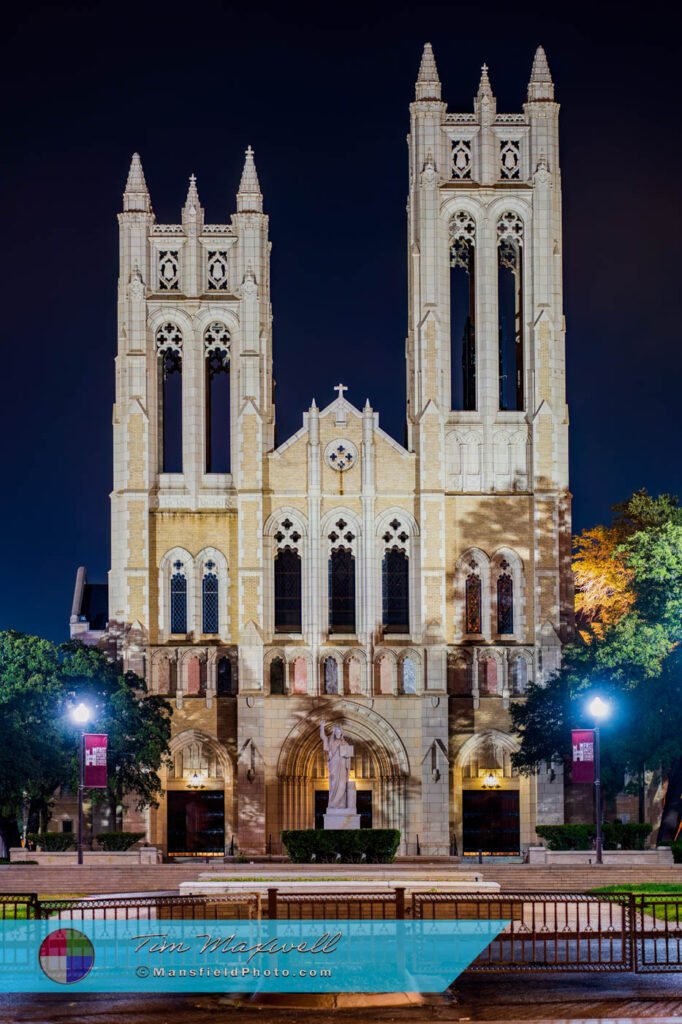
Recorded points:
(339, 753)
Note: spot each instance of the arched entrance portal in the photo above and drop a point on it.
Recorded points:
(379, 769)
(195, 815)
(491, 802)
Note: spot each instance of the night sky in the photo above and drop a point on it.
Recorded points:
(322, 94)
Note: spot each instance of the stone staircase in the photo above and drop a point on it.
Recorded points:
(167, 877)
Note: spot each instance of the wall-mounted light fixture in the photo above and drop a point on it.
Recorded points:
(195, 781)
(490, 781)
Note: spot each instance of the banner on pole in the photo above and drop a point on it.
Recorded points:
(582, 767)
(95, 755)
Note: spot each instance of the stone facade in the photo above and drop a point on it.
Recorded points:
(480, 493)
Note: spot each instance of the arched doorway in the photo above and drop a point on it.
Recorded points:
(379, 769)
(195, 815)
(490, 800)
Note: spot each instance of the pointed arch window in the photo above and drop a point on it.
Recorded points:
(169, 390)
(510, 312)
(519, 676)
(210, 600)
(505, 602)
(473, 609)
(331, 676)
(217, 390)
(341, 591)
(277, 677)
(395, 576)
(288, 591)
(224, 680)
(462, 312)
(178, 599)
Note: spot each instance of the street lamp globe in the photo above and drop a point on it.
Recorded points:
(599, 708)
(81, 714)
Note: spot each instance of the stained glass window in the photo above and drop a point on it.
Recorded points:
(210, 597)
(287, 591)
(341, 591)
(277, 677)
(505, 604)
(473, 604)
(178, 602)
(519, 676)
(224, 680)
(409, 676)
(331, 676)
(396, 591)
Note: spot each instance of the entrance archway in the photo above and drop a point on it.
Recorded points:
(490, 801)
(380, 769)
(195, 815)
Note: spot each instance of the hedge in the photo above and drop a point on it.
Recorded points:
(118, 840)
(345, 846)
(53, 842)
(617, 836)
(677, 851)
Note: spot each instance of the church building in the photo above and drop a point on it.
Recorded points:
(408, 594)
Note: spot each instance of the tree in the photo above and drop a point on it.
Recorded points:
(137, 725)
(629, 578)
(39, 681)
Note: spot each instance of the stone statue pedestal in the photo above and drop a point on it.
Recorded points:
(341, 817)
(344, 817)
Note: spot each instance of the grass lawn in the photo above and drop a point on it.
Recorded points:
(12, 911)
(671, 911)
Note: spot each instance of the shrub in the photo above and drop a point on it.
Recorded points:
(677, 851)
(567, 837)
(632, 836)
(53, 842)
(347, 846)
(117, 841)
(616, 835)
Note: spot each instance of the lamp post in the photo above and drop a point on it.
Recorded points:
(80, 715)
(599, 709)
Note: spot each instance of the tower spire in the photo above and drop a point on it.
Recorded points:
(192, 213)
(428, 82)
(540, 86)
(484, 102)
(249, 196)
(484, 86)
(136, 195)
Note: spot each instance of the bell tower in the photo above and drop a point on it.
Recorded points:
(486, 405)
(193, 414)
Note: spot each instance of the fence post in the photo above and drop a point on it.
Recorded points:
(35, 903)
(632, 911)
(272, 904)
(399, 903)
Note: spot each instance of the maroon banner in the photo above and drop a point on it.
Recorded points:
(582, 767)
(95, 754)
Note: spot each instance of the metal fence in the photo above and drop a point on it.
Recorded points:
(545, 932)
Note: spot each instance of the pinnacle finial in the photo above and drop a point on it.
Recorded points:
(428, 82)
(540, 86)
(249, 196)
(191, 211)
(484, 86)
(136, 195)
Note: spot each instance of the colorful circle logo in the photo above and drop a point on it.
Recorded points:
(66, 956)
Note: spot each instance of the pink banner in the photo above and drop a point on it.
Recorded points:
(95, 754)
(582, 766)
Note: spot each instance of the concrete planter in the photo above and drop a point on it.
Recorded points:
(659, 857)
(120, 858)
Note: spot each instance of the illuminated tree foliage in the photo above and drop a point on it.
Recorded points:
(629, 604)
(39, 682)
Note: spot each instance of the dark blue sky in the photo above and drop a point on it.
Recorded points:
(322, 94)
